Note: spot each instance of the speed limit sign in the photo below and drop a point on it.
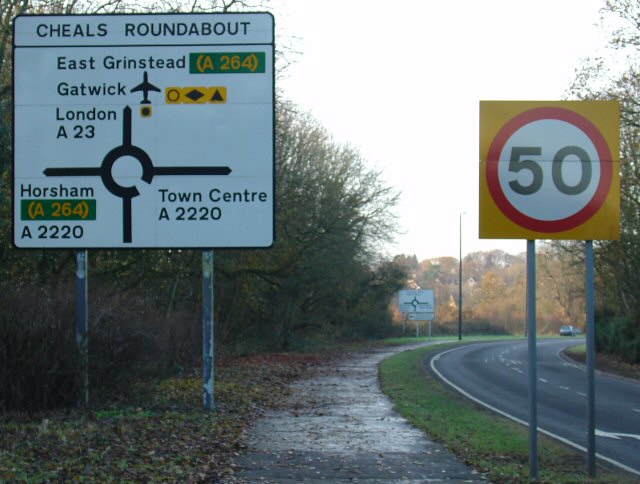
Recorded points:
(549, 170)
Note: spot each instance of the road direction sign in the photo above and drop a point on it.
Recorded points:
(416, 301)
(421, 316)
(549, 170)
(144, 131)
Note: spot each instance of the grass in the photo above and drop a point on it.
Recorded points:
(489, 443)
(577, 352)
(446, 339)
(605, 363)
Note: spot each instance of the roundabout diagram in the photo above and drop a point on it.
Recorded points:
(127, 193)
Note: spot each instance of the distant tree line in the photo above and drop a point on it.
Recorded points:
(494, 291)
(617, 262)
(323, 280)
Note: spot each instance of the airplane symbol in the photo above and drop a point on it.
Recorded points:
(145, 86)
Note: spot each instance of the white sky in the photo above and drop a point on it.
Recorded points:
(403, 85)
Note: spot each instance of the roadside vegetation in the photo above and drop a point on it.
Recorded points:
(489, 443)
(605, 362)
(615, 74)
(158, 432)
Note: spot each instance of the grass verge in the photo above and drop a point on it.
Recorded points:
(489, 443)
(605, 363)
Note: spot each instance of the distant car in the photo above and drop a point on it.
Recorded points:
(568, 330)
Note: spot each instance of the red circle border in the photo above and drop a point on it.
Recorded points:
(561, 114)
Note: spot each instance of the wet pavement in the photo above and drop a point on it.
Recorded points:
(339, 427)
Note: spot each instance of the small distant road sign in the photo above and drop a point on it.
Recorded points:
(416, 301)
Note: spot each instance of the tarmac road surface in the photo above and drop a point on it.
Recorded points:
(495, 374)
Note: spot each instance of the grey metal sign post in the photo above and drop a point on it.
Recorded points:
(533, 359)
(82, 325)
(591, 357)
(207, 330)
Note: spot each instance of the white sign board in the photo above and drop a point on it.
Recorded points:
(144, 131)
(416, 301)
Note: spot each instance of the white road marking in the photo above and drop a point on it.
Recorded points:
(616, 435)
(522, 422)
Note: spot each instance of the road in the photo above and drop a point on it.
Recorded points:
(495, 375)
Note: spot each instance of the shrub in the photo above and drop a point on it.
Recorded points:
(38, 357)
(618, 336)
(128, 337)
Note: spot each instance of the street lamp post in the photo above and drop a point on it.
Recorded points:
(460, 282)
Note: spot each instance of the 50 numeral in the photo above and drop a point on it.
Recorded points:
(517, 163)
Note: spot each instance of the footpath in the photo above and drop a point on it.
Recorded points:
(339, 427)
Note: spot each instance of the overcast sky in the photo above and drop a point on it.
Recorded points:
(403, 85)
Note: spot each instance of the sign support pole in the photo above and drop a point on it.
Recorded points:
(82, 330)
(533, 378)
(591, 357)
(460, 282)
(207, 330)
